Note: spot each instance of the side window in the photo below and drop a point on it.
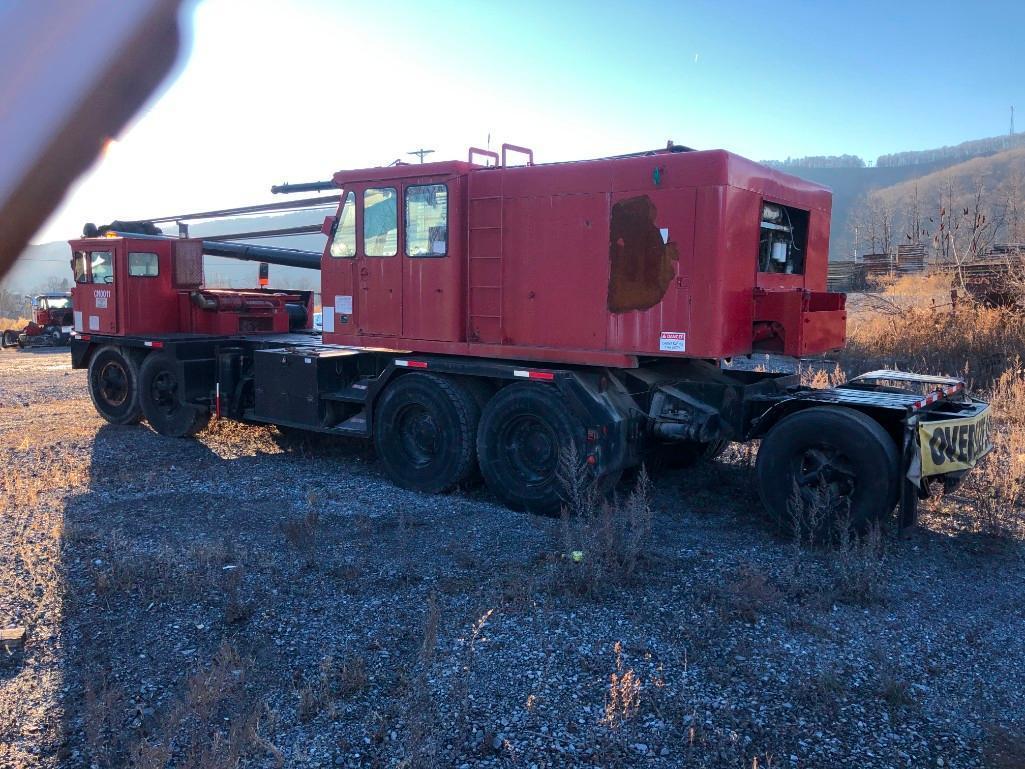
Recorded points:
(380, 222)
(427, 220)
(143, 265)
(344, 243)
(80, 266)
(102, 266)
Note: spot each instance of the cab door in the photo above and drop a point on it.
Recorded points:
(94, 295)
(378, 309)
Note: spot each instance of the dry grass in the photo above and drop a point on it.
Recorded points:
(7, 322)
(623, 699)
(602, 542)
(910, 326)
(212, 723)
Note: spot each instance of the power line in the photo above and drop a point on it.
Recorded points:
(420, 153)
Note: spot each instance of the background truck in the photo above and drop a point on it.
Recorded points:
(51, 323)
(503, 318)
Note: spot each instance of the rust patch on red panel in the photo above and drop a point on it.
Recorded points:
(642, 266)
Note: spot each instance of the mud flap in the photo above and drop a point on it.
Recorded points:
(911, 476)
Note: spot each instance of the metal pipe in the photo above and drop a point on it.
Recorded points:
(305, 229)
(287, 257)
(286, 189)
(318, 202)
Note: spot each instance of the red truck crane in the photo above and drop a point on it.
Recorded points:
(504, 317)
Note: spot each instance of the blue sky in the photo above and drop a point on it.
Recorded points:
(274, 91)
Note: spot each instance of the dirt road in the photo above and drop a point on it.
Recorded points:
(224, 600)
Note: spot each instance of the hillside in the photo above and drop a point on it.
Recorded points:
(999, 178)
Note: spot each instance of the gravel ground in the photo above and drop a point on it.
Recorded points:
(222, 600)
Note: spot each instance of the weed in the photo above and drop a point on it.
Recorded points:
(623, 698)
(301, 533)
(858, 565)
(750, 593)
(895, 692)
(601, 542)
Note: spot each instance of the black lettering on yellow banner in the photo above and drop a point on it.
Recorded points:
(953, 444)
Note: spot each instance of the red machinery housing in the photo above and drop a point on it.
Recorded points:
(138, 285)
(695, 254)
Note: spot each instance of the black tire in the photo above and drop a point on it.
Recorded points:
(834, 448)
(10, 338)
(425, 431)
(522, 436)
(114, 385)
(160, 393)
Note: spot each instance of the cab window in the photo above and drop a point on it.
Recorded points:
(143, 265)
(80, 266)
(380, 221)
(102, 266)
(344, 242)
(427, 220)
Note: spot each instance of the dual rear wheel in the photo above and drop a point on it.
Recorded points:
(124, 390)
(433, 433)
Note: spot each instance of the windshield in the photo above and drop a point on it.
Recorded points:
(55, 303)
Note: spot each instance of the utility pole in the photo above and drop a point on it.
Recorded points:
(1012, 120)
(420, 153)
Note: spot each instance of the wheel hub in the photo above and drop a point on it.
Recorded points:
(164, 391)
(530, 447)
(420, 437)
(824, 468)
(113, 383)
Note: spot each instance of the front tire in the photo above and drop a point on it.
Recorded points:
(114, 385)
(524, 433)
(831, 453)
(161, 393)
(9, 338)
(425, 429)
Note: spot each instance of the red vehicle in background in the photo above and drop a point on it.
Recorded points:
(51, 324)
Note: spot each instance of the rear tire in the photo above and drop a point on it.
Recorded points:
(829, 448)
(425, 432)
(161, 392)
(114, 385)
(522, 436)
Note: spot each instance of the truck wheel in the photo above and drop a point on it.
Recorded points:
(10, 338)
(425, 429)
(161, 391)
(828, 453)
(113, 386)
(523, 433)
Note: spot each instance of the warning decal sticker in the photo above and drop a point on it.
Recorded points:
(672, 341)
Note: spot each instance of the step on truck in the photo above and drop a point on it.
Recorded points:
(481, 316)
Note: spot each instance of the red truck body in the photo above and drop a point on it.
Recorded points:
(455, 295)
(590, 262)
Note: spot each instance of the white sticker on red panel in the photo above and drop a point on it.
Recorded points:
(672, 341)
(343, 305)
(78, 320)
(328, 320)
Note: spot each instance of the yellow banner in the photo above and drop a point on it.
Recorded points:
(953, 444)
